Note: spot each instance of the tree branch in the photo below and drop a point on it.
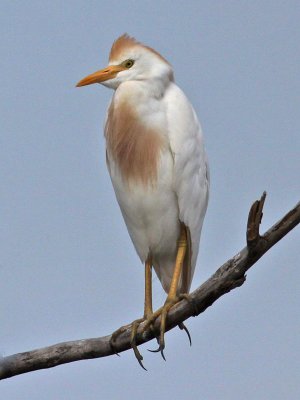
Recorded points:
(229, 276)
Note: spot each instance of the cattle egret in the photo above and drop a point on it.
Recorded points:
(159, 170)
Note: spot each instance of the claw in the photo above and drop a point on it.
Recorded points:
(137, 354)
(161, 340)
(139, 357)
(162, 336)
(154, 333)
(183, 327)
(157, 339)
(141, 364)
(154, 351)
(162, 352)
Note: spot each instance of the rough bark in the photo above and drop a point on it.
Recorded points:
(229, 276)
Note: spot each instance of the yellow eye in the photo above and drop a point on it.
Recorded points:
(128, 63)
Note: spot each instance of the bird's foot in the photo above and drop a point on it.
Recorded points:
(163, 313)
(133, 336)
(134, 326)
(147, 322)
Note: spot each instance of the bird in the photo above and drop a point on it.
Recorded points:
(158, 166)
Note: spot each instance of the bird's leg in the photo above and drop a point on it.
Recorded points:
(148, 312)
(172, 297)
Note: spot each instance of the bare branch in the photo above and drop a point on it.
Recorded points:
(229, 276)
(254, 220)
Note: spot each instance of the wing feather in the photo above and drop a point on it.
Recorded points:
(191, 173)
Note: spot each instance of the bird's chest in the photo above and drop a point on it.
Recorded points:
(150, 211)
(137, 140)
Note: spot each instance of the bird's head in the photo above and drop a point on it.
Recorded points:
(130, 60)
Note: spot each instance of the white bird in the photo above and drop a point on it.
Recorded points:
(158, 167)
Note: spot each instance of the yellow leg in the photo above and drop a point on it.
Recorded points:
(172, 297)
(148, 312)
(181, 250)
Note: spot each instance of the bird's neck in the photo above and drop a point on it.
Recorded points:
(144, 89)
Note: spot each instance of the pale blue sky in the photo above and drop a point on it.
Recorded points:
(67, 267)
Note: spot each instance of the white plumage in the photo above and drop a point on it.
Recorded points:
(152, 214)
(155, 156)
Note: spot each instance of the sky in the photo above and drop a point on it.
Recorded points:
(67, 267)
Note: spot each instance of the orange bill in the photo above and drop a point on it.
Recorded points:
(100, 76)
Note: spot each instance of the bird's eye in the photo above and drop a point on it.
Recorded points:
(128, 63)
